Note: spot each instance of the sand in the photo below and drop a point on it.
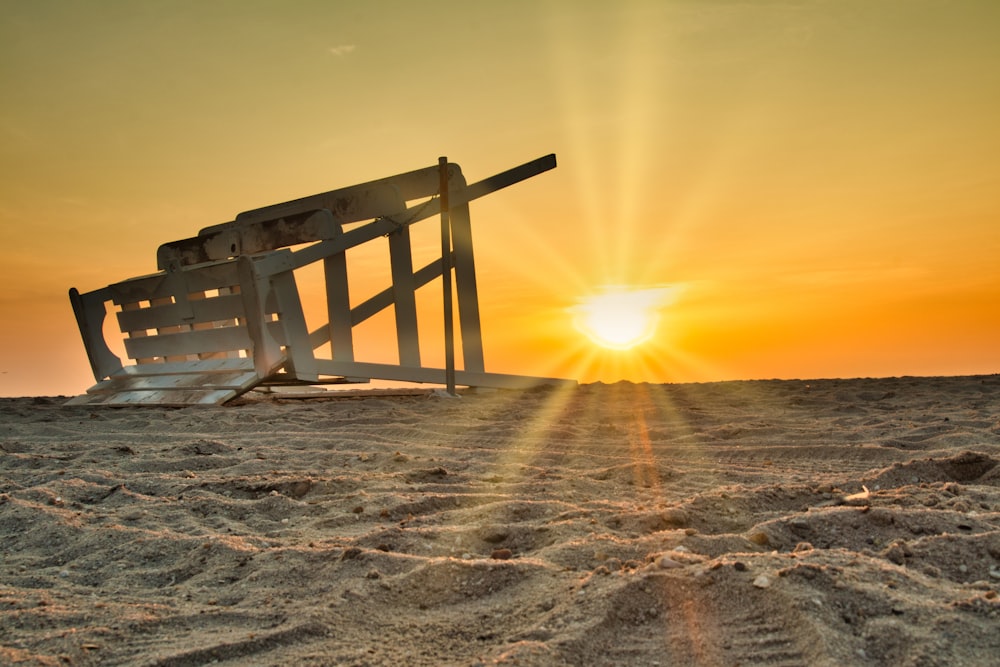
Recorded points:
(837, 522)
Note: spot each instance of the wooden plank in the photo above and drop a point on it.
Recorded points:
(249, 239)
(213, 309)
(266, 352)
(208, 382)
(468, 292)
(304, 220)
(355, 202)
(209, 276)
(136, 290)
(119, 383)
(159, 398)
(189, 342)
(404, 297)
(338, 308)
(363, 201)
(291, 331)
(504, 179)
(200, 366)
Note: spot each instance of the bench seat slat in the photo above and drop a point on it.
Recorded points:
(165, 398)
(230, 380)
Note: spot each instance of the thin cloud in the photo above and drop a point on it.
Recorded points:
(342, 50)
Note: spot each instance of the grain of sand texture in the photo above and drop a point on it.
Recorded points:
(837, 522)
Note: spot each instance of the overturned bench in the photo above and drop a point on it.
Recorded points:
(223, 314)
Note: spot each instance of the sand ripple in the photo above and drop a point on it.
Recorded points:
(756, 523)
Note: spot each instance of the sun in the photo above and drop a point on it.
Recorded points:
(620, 318)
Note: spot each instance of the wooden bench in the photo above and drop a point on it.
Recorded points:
(223, 314)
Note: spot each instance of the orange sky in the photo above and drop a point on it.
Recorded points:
(817, 182)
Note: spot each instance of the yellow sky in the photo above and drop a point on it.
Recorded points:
(818, 183)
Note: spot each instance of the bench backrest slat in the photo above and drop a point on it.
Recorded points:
(222, 308)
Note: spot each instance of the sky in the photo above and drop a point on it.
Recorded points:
(810, 187)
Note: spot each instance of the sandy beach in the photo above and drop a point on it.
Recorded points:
(830, 522)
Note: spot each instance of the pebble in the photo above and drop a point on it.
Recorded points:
(762, 581)
(799, 526)
(668, 563)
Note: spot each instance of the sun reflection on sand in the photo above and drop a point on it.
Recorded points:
(631, 407)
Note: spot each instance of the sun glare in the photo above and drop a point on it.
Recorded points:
(620, 318)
